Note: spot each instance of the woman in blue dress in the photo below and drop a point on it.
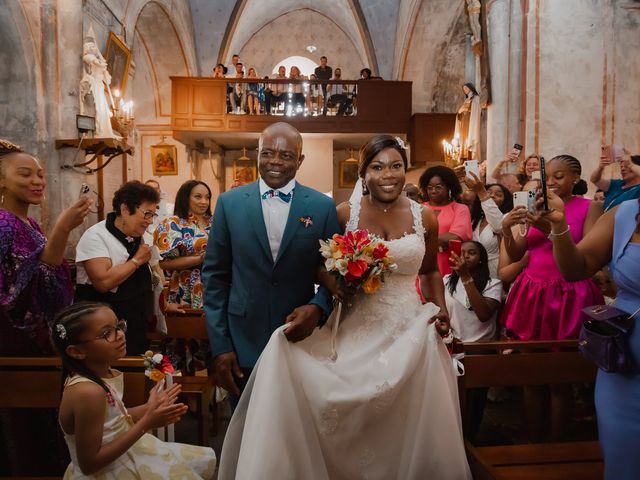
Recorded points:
(614, 239)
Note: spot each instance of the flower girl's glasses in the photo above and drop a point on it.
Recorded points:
(111, 334)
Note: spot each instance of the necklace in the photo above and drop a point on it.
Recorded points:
(385, 210)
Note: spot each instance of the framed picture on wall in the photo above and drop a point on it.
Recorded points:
(164, 159)
(348, 173)
(118, 58)
(242, 172)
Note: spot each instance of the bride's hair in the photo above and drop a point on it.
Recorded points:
(374, 146)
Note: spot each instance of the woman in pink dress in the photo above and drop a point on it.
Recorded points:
(542, 305)
(441, 189)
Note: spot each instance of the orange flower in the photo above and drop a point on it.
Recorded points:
(372, 284)
(156, 375)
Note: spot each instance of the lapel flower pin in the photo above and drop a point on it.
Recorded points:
(306, 221)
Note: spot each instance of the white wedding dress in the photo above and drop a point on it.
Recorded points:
(386, 408)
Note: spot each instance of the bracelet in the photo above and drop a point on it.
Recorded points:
(551, 234)
(467, 282)
(136, 263)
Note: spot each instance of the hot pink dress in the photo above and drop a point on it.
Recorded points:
(541, 304)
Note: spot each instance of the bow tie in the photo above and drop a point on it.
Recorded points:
(285, 197)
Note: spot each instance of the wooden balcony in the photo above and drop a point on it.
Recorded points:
(199, 104)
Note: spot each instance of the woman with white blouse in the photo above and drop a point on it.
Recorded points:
(487, 210)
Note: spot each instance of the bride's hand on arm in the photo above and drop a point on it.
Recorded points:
(330, 282)
(431, 284)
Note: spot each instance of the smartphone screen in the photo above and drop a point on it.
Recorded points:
(455, 246)
(543, 182)
(84, 190)
(471, 166)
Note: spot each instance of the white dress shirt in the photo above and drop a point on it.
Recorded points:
(275, 212)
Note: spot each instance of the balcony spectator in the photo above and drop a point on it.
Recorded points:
(339, 94)
(253, 91)
(276, 92)
(296, 95)
(323, 72)
(231, 68)
(238, 93)
(218, 71)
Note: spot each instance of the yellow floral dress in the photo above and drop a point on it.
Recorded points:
(149, 458)
(177, 237)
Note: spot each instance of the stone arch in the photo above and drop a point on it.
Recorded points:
(21, 115)
(271, 44)
(246, 20)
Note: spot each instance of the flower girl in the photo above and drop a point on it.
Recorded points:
(106, 440)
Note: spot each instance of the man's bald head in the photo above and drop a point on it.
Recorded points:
(281, 129)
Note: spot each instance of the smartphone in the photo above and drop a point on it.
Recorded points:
(526, 198)
(455, 246)
(84, 190)
(543, 183)
(471, 166)
(617, 152)
(513, 167)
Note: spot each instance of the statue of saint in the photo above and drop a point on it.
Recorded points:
(468, 123)
(96, 80)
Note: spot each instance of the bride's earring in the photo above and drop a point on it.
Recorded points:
(365, 190)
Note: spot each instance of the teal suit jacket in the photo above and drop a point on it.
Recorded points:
(246, 294)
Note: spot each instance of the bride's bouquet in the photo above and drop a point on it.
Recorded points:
(358, 258)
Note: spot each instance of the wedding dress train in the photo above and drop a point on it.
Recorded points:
(386, 407)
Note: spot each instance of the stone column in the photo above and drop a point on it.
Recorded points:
(500, 136)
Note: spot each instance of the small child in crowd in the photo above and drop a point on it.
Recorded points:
(105, 439)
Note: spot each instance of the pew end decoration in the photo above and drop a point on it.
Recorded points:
(157, 366)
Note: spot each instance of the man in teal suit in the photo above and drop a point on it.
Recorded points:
(262, 257)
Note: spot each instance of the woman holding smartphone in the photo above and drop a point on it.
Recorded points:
(627, 187)
(542, 305)
(441, 189)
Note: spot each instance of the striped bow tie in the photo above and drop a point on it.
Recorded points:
(285, 197)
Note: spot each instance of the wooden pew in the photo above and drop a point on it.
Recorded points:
(35, 382)
(534, 364)
(187, 325)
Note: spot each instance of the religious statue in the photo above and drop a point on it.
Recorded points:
(96, 81)
(468, 123)
(473, 10)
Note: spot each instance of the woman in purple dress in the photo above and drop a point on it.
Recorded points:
(541, 304)
(35, 284)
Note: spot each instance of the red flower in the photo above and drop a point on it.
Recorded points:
(165, 365)
(380, 251)
(357, 268)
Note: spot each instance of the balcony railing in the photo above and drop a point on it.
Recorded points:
(205, 104)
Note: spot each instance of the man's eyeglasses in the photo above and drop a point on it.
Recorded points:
(111, 333)
(148, 214)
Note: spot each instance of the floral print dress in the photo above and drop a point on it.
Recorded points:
(178, 237)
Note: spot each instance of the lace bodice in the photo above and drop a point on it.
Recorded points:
(407, 251)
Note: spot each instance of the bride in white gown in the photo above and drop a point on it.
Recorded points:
(386, 406)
